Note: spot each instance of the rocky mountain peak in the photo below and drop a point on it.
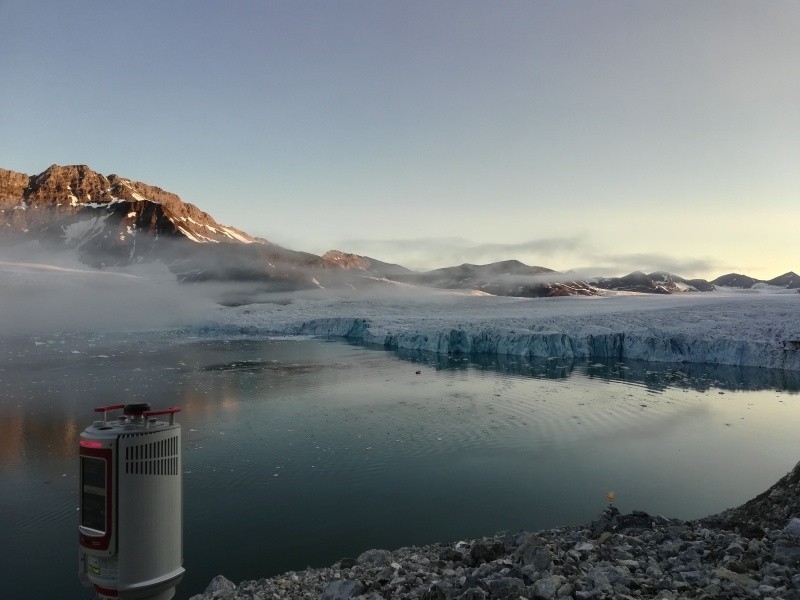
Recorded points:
(337, 259)
(138, 191)
(102, 216)
(70, 185)
(12, 187)
(344, 260)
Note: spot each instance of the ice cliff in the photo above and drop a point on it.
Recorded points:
(727, 328)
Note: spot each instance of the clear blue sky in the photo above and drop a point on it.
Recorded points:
(608, 135)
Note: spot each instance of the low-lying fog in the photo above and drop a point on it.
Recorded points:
(50, 292)
(47, 292)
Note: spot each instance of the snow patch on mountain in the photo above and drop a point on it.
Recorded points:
(231, 233)
(82, 231)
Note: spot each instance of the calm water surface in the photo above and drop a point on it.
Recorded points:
(301, 452)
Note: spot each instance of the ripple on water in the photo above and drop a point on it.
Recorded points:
(353, 424)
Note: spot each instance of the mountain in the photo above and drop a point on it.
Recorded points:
(468, 275)
(114, 221)
(790, 280)
(106, 218)
(735, 280)
(505, 278)
(659, 282)
(336, 259)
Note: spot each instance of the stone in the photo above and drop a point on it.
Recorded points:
(220, 584)
(635, 520)
(604, 522)
(677, 531)
(375, 557)
(692, 577)
(617, 576)
(546, 588)
(342, 589)
(452, 555)
(486, 552)
(786, 552)
(599, 580)
(437, 591)
(506, 588)
(385, 575)
(751, 530)
(743, 581)
(542, 559)
(793, 528)
(527, 551)
(565, 591)
(473, 593)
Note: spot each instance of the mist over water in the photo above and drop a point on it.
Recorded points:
(52, 292)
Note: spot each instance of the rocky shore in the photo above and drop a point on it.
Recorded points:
(752, 551)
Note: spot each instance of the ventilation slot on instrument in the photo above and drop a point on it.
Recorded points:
(153, 458)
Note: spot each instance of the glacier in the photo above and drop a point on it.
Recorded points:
(748, 328)
(741, 328)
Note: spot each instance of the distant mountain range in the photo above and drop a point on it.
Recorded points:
(113, 221)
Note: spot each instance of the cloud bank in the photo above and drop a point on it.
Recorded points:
(424, 254)
(577, 254)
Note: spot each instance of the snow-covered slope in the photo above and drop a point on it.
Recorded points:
(728, 328)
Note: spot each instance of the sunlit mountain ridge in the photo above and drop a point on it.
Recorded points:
(111, 221)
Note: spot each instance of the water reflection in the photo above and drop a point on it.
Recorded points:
(653, 376)
(11, 440)
(44, 382)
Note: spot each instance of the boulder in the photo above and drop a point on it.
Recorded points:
(376, 558)
(342, 589)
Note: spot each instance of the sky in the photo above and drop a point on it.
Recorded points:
(600, 136)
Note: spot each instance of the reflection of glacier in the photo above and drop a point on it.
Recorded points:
(739, 329)
(653, 375)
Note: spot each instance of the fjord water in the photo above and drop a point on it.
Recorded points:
(301, 452)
